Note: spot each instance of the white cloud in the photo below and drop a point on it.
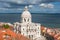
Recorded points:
(19, 1)
(14, 1)
(35, 1)
(50, 6)
(44, 5)
(23, 1)
(30, 6)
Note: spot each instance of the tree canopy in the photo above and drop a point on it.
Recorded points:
(6, 26)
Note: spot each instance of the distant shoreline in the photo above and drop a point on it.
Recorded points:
(31, 13)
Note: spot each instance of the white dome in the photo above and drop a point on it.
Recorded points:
(26, 13)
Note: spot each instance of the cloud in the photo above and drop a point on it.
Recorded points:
(18, 1)
(35, 1)
(30, 6)
(13, 1)
(50, 6)
(44, 5)
(30, 1)
(14, 5)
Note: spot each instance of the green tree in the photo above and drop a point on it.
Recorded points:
(6, 26)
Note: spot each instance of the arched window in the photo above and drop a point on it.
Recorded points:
(23, 28)
(32, 36)
(24, 19)
(28, 20)
(38, 27)
(29, 36)
(38, 32)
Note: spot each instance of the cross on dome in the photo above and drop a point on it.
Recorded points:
(26, 8)
(26, 13)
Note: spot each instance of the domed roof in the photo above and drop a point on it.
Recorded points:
(26, 13)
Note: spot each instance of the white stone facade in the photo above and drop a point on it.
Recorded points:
(26, 27)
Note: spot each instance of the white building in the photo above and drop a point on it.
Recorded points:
(26, 27)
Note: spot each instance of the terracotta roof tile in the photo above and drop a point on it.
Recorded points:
(11, 35)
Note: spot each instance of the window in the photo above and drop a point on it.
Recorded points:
(38, 32)
(19, 28)
(28, 20)
(38, 27)
(35, 30)
(23, 28)
(19, 25)
(35, 24)
(29, 36)
(24, 19)
(32, 36)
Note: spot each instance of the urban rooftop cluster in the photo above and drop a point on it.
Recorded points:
(51, 33)
(9, 34)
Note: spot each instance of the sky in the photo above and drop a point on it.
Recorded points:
(35, 6)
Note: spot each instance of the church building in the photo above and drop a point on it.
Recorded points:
(27, 27)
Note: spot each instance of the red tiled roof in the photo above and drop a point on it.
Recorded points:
(11, 34)
(57, 35)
